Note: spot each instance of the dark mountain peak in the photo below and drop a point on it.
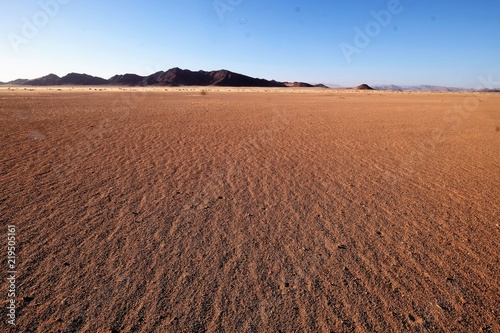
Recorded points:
(222, 72)
(227, 78)
(18, 81)
(47, 80)
(82, 79)
(184, 77)
(364, 86)
(152, 79)
(177, 71)
(221, 75)
(126, 80)
(181, 77)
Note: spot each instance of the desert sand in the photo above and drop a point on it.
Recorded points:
(251, 210)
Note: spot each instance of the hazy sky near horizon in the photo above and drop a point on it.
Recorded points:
(411, 42)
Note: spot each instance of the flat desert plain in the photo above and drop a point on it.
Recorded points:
(251, 210)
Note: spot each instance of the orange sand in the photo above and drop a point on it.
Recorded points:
(251, 210)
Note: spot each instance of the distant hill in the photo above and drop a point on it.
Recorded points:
(82, 80)
(230, 79)
(126, 80)
(420, 88)
(184, 77)
(172, 77)
(17, 82)
(70, 79)
(179, 77)
(490, 90)
(364, 86)
(389, 87)
(48, 80)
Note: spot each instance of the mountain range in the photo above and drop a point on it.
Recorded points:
(184, 77)
(172, 77)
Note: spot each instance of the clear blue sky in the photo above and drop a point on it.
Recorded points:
(426, 42)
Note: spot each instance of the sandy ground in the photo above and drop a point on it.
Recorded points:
(251, 210)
